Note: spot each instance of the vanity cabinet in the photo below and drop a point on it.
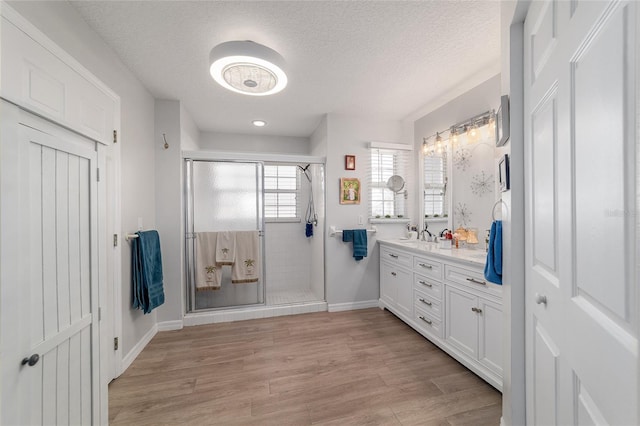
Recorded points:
(445, 297)
(396, 282)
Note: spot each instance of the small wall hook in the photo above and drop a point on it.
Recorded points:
(166, 144)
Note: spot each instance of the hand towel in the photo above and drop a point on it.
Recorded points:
(208, 272)
(359, 238)
(225, 247)
(246, 267)
(493, 266)
(148, 291)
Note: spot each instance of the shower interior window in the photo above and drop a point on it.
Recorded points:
(281, 190)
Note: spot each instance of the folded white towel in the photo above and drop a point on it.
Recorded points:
(246, 268)
(226, 247)
(208, 272)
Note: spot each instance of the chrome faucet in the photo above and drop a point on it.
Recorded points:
(422, 233)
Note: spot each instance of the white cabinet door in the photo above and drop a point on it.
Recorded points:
(404, 295)
(490, 337)
(388, 289)
(461, 324)
(49, 290)
(581, 279)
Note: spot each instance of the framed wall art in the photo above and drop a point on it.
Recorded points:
(503, 174)
(502, 121)
(349, 191)
(349, 162)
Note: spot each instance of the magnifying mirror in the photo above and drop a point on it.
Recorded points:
(395, 183)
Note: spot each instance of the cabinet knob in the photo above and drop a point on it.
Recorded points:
(541, 299)
(477, 310)
(394, 274)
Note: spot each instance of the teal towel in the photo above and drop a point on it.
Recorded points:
(146, 264)
(493, 267)
(359, 238)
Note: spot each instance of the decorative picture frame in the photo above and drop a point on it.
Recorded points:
(502, 121)
(503, 174)
(349, 191)
(349, 162)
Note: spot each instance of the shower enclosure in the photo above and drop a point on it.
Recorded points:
(272, 198)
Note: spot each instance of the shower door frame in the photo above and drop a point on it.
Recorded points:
(189, 235)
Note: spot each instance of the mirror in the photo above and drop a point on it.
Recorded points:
(395, 183)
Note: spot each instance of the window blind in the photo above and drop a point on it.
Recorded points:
(385, 162)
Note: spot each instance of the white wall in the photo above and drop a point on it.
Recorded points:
(189, 132)
(231, 142)
(168, 178)
(349, 281)
(61, 23)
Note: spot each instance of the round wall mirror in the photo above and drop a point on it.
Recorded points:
(395, 183)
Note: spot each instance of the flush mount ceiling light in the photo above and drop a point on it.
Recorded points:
(259, 123)
(248, 68)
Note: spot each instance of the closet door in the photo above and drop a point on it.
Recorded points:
(49, 292)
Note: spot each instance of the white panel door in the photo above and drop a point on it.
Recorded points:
(580, 253)
(50, 349)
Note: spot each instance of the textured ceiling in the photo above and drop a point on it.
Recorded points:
(375, 59)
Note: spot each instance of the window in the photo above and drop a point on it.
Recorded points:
(385, 163)
(435, 185)
(281, 185)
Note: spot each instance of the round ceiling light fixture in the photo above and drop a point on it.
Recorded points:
(247, 67)
(259, 123)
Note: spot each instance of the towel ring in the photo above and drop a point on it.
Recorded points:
(493, 210)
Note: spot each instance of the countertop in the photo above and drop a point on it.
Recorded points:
(476, 257)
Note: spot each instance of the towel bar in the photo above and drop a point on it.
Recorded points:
(333, 231)
(130, 237)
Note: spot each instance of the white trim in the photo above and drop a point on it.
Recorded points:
(351, 306)
(39, 37)
(251, 156)
(390, 220)
(388, 145)
(128, 359)
(170, 325)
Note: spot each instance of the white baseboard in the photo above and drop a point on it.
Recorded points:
(170, 325)
(350, 306)
(128, 359)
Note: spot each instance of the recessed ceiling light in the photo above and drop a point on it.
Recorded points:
(259, 123)
(248, 68)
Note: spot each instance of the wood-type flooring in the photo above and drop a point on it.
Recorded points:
(363, 367)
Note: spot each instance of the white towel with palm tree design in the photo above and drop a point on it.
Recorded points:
(226, 247)
(208, 271)
(246, 267)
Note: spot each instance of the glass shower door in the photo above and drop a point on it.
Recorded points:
(223, 196)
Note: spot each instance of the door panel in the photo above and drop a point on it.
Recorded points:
(545, 364)
(462, 322)
(580, 258)
(490, 338)
(57, 276)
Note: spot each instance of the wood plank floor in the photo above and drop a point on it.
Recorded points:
(363, 367)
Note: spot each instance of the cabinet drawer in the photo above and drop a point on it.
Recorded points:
(427, 267)
(428, 323)
(471, 278)
(395, 256)
(428, 286)
(428, 304)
